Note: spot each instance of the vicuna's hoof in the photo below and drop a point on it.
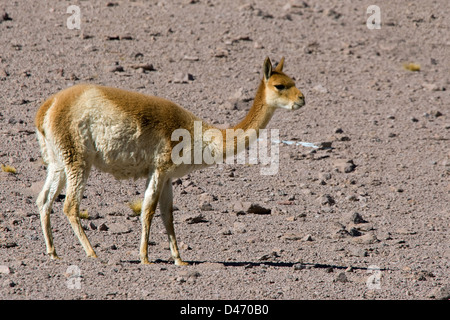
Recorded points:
(54, 256)
(145, 261)
(181, 263)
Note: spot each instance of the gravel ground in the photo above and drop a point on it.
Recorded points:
(366, 216)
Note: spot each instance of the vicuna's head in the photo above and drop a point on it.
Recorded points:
(280, 90)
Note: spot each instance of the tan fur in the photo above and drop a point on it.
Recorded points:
(128, 134)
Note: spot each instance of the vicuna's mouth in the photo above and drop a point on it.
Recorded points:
(298, 105)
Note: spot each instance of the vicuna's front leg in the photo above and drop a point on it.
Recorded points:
(166, 207)
(151, 197)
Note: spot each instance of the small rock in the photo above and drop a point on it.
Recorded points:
(143, 66)
(115, 68)
(292, 237)
(182, 77)
(4, 270)
(257, 209)
(92, 226)
(206, 206)
(368, 238)
(355, 218)
(435, 113)
(392, 135)
(341, 277)
(324, 176)
(307, 238)
(299, 266)
(103, 227)
(239, 227)
(324, 145)
(3, 74)
(326, 199)
(319, 88)
(191, 58)
(184, 246)
(4, 16)
(269, 256)
(243, 207)
(405, 231)
(440, 293)
(195, 219)
(344, 165)
(118, 228)
(354, 232)
(226, 232)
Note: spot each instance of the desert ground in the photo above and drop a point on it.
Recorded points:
(366, 215)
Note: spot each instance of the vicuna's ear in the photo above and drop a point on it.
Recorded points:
(267, 69)
(280, 64)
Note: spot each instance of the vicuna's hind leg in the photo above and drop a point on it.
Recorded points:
(166, 208)
(152, 193)
(76, 181)
(55, 181)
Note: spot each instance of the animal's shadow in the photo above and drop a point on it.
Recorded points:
(281, 264)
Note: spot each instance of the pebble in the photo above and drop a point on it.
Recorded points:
(191, 58)
(341, 277)
(368, 238)
(344, 165)
(355, 218)
(321, 89)
(243, 207)
(258, 209)
(118, 228)
(182, 77)
(4, 16)
(292, 237)
(269, 256)
(4, 270)
(194, 219)
(326, 199)
(143, 66)
(299, 266)
(206, 206)
(115, 68)
(440, 293)
(3, 73)
(103, 227)
(239, 227)
(324, 176)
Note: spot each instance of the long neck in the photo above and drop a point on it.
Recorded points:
(257, 118)
(259, 114)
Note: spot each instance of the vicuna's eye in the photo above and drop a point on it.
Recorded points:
(280, 86)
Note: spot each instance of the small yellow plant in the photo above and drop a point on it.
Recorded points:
(84, 214)
(8, 169)
(136, 206)
(411, 66)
